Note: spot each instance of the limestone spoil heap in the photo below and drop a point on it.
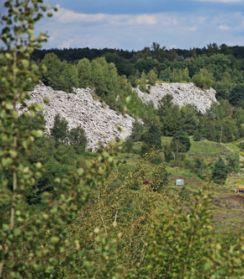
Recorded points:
(182, 93)
(100, 123)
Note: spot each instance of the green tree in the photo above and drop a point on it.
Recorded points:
(220, 171)
(137, 132)
(69, 77)
(16, 77)
(51, 75)
(60, 129)
(84, 73)
(224, 86)
(77, 139)
(203, 79)
(170, 116)
(189, 119)
(241, 145)
(99, 77)
(239, 117)
(220, 123)
(165, 74)
(180, 143)
(160, 178)
(142, 82)
(236, 95)
(180, 75)
(233, 163)
(168, 153)
(153, 137)
(152, 77)
(199, 167)
(60, 75)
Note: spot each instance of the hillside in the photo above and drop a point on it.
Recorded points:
(100, 123)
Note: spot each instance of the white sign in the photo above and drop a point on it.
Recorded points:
(180, 182)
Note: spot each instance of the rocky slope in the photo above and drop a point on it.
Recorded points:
(182, 93)
(102, 124)
(80, 109)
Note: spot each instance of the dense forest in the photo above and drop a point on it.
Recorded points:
(221, 67)
(222, 123)
(116, 213)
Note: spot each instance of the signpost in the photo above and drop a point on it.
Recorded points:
(180, 182)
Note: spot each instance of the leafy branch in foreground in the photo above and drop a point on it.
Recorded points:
(17, 74)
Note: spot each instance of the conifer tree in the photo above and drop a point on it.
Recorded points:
(220, 171)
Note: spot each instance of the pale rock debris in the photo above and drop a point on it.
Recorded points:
(100, 123)
(183, 94)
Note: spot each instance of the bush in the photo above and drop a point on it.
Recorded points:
(236, 95)
(233, 163)
(152, 138)
(60, 75)
(144, 149)
(152, 77)
(180, 143)
(168, 153)
(199, 168)
(77, 139)
(137, 131)
(180, 75)
(203, 79)
(159, 179)
(241, 145)
(154, 157)
(220, 171)
(60, 129)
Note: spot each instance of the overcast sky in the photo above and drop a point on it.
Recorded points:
(134, 24)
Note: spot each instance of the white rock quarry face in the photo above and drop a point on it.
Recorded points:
(100, 123)
(182, 93)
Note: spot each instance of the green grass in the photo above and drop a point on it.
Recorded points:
(228, 209)
(207, 148)
(234, 147)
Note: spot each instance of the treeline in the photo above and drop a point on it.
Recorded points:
(72, 54)
(222, 123)
(221, 67)
(98, 74)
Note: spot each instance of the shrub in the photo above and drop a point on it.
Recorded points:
(159, 178)
(152, 138)
(199, 168)
(168, 153)
(233, 163)
(180, 143)
(137, 131)
(203, 79)
(60, 129)
(60, 75)
(152, 77)
(77, 139)
(220, 171)
(180, 75)
(241, 145)
(154, 157)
